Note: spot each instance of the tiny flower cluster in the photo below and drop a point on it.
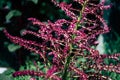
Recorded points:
(69, 40)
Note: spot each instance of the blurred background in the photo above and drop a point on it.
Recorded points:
(13, 17)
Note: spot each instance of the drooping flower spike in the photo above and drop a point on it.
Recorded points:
(68, 41)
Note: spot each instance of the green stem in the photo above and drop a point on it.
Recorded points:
(65, 73)
(84, 5)
(81, 12)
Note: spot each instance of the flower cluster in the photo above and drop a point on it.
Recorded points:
(68, 41)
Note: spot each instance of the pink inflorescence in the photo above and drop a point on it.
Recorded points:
(69, 38)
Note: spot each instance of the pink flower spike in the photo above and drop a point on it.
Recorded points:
(51, 71)
(32, 79)
(102, 2)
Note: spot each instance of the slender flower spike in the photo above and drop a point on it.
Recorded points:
(66, 45)
(51, 71)
(32, 79)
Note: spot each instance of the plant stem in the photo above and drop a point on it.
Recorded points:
(64, 76)
(81, 12)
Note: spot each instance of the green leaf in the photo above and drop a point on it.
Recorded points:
(12, 14)
(1, 28)
(13, 47)
(34, 1)
(113, 75)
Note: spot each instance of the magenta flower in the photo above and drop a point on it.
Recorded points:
(68, 41)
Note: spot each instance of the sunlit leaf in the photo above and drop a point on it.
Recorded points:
(34, 1)
(12, 14)
(13, 47)
(1, 28)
